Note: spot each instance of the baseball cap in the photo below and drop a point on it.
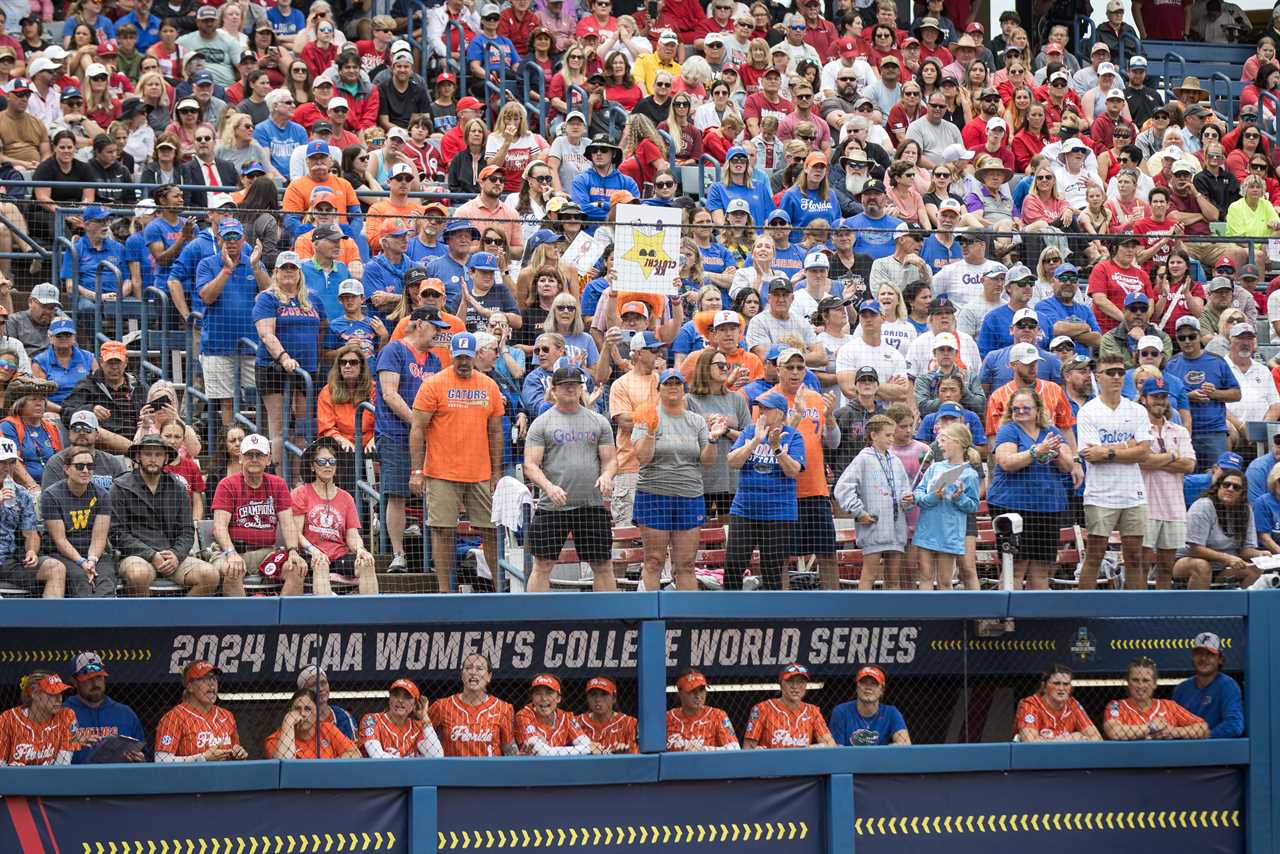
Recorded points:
(406, 685)
(866, 372)
(95, 213)
(220, 200)
(793, 671)
(1154, 386)
(428, 315)
(1183, 165)
(1147, 342)
(1224, 261)
(469, 103)
(671, 374)
(402, 169)
(781, 354)
(322, 126)
(85, 417)
(1138, 61)
(995, 270)
(1018, 273)
(1115, 95)
(1065, 341)
(942, 304)
(231, 226)
(951, 204)
(199, 669)
(870, 672)
(463, 344)
(309, 673)
(1065, 270)
(347, 287)
(200, 78)
(1023, 354)
(950, 409)
(995, 122)
(1115, 6)
(668, 37)
(1138, 298)
(1209, 641)
(634, 307)
(1059, 75)
(113, 350)
(257, 443)
(872, 186)
(870, 305)
(1250, 271)
(815, 260)
(1106, 68)
(88, 665)
(483, 261)
(1025, 314)
(42, 63)
(566, 376)
(545, 680)
(602, 683)
(778, 215)
(316, 147)
(8, 450)
(738, 206)
(62, 325)
(691, 681)
(780, 284)
(946, 339)
(772, 400)
(1220, 283)
(288, 258)
(726, 318)
(490, 170)
(52, 684)
(1238, 329)
(1187, 320)
(206, 12)
(251, 168)
(326, 231)
(1230, 460)
(338, 103)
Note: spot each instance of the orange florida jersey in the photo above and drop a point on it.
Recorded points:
(617, 735)
(480, 730)
(1034, 713)
(393, 740)
(561, 732)
(24, 742)
(772, 724)
(1124, 712)
(186, 731)
(709, 728)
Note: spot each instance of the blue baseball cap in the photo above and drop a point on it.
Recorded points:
(463, 344)
(1230, 460)
(201, 76)
(1063, 269)
(317, 146)
(62, 325)
(230, 226)
(950, 410)
(483, 261)
(775, 350)
(1135, 298)
(671, 374)
(460, 225)
(778, 214)
(869, 305)
(646, 341)
(735, 151)
(251, 167)
(1154, 386)
(772, 400)
(93, 213)
(543, 236)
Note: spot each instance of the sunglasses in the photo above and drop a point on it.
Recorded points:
(325, 462)
(350, 362)
(567, 308)
(721, 365)
(542, 349)
(662, 85)
(664, 185)
(82, 466)
(1026, 325)
(1233, 485)
(1188, 337)
(1258, 167)
(1114, 373)
(204, 139)
(494, 241)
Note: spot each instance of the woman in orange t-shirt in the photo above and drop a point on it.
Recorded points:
(296, 737)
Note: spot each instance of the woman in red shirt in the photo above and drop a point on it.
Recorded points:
(686, 138)
(330, 526)
(1030, 138)
(750, 72)
(573, 72)
(298, 738)
(619, 86)
(907, 110)
(320, 54)
(1250, 143)
(643, 151)
(1127, 208)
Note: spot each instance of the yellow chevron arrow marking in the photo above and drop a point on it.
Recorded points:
(857, 829)
(804, 829)
(982, 824)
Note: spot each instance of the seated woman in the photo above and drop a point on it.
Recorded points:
(1052, 714)
(330, 525)
(63, 362)
(299, 738)
(161, 409)
(1221, 539)
(1139, 716)
(36, 437)
(1267, 517)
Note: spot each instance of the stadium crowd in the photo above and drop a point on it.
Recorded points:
(940, 275)
(91, 727)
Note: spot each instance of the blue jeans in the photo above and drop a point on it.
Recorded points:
(1208, 447)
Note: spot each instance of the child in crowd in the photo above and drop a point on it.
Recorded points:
(944, 510)
(910, 452)
(186, 467)
(876, 492)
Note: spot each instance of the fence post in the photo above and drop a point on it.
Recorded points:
(651, 705)
(1262, 723)
(423, 820)
(840, 809)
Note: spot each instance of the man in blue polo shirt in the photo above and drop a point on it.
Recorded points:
(1211, 385)
(866, 721)
(384, 275)
(873, 226)
(1024, 328)
(1212, 694)
(147, 24)
(460, 237)
(1062, 315)
(97, 715)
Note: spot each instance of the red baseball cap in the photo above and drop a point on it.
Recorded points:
(406, 685)
(794, 671)
(108, 48)
(546, 680)
(51, 684)
(1224, 261)
(446, 77)
(691, 681)
(469, 103)
(975, 27)
(848, 48)
(871, 672)
(198, 670)
(910, 41)
(602, 683)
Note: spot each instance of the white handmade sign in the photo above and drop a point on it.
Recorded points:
(646, 253)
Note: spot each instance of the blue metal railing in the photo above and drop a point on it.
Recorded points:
(363, 487)
(1228, 111)
(576, 98)
(459, 65)
(145, 365)
(118, 304)
(244, 347)
(703, 160)
(1082, 36)
(533, 80)
(1166, 82)
(212, 417)
(671, 152)
(287, 421)
(418, 14)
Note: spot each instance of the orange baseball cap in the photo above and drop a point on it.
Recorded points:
(691, 681)
(489, 170)
(51, 684)
(602, 683)
(634, 307)
(546, 680)
(113, 350)
(816, 158)
(433, 284)
(794, 671)
(407, 686)
(198, 670)
(871, 672)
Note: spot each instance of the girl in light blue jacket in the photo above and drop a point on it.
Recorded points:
(944, 508)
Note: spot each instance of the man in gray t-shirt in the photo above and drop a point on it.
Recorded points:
(570, 456)
(83, 433)
(777, 322)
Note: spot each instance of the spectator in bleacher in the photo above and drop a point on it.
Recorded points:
(1139, 716)
(77, 517)
(1258, 474)
(204, 169)
(401, 367)
(36, 437)
(1141, 98)
(24, 136)
(1259, 399)
(315, 682)
(82, 432)
(198, 721)
(694, 726)
(329, 526)
(1061, 314)
(20, 562)
(1210, 693)
(301, 736)
(162, 410)
(1123, 339)
(865, 721)
(944, 365)
(1252, 214)
(875, 491)
(298, 194)
(634, 390)
(1221, 536)
(151, 525)
(39, 732)
(712, 391)
(1214, 386)
(1052, 714)
(348, 385)
(279, 134)
(252, 514)
(31, 327)
(1170, 461)
(112, 394)
(97, 715)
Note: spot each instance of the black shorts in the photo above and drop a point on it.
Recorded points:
(815, 529)
(1039, 539)
(13, 573)
(592, 530)
(271, 379)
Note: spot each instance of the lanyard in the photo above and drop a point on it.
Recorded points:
(886, 466)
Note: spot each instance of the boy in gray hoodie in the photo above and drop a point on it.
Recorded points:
(876, 492)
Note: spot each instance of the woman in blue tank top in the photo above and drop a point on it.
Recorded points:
(62, 362)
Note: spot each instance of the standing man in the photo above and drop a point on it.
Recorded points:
(1212, 694)
(629, 393)
(1210, 384)
(97, 715)
(1023, 360)
(1259, 400)
(869, 350)
(570, 456)
(996, 330)
(1171, 459)
(1114, 436)
(457, 432)
(1025, 329)
(866, 721)
(787, 721)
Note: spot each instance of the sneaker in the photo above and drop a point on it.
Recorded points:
(413, 531)
(398, 563)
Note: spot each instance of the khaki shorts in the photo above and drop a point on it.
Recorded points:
(1165, 536)
(252, 560)
(220, 375)
(445, 498)
(178, 575)
(623, 500)
(1129, 521)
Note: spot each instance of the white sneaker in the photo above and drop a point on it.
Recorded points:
(398, 563)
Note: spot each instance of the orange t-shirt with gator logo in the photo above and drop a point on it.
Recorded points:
(617, 735)
(480, 730)
(1124, 712)
(561, 732)
(186, 731)
(774, 725)
(709, 728)
(397, 740)
(458, 435)
(1034, 713)
(24, 742)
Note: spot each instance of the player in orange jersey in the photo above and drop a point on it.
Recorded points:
(695, 726)
(1140, 716)
(544, 729)
(472, 723)
(38, 733)
(612, 730)
(1053, 714)
(402, 730)
(300, 737)
(198, 729)
(788, 721)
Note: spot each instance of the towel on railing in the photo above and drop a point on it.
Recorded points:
(509, 500)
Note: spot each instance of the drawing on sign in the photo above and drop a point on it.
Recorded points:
(647, 250)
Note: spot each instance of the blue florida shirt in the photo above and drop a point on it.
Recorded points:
(876, 243)
(1210, 417)
(850, 729)
(111, 250)
(764, 492)
(1218, 703)
(110, 718)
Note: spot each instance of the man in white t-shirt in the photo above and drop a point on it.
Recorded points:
(868, 349)
(1114, 436)
(942, 318)
(815, 284)
(962, 281)
(970, 318)
(1073, 177)
(1259, 400)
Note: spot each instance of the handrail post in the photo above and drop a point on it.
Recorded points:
(244, 346)
(703, 160)
(363, 487)
(286, 419)
(98, 336)
(450, 28)
(671, 151)
(1164, 71)
(575, 94)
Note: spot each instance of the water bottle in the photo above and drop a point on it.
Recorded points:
(12, 500)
